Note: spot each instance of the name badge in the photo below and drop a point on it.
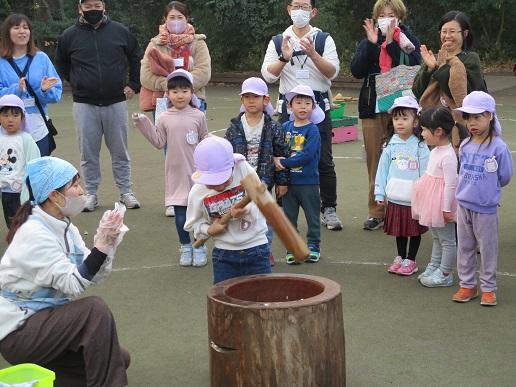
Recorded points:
(491, 165)
(302, 74)
(29, 102)
(179, 62)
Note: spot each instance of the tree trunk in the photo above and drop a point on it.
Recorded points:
(276, 330)
(498, 43)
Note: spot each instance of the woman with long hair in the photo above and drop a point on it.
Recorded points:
(27, 72)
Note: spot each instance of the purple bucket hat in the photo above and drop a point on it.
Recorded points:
(478, 102)
(14, 101)
(318, 114)
(256, 86)
(406, 101)
(214, 161)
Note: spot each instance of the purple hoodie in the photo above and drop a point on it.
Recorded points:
(484, 170)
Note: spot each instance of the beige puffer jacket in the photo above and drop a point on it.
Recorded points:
(200, 66)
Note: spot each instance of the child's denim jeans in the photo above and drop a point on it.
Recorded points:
(234, 263)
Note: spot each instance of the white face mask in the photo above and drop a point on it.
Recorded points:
(73, 205)
(300, 18)
(384, 22)
(176, 26)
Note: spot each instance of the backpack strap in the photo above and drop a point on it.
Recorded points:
(277, 40)
(320, 41)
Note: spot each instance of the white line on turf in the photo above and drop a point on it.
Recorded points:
(349, 263)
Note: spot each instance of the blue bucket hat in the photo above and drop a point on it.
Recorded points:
(46, 174)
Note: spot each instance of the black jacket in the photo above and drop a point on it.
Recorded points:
(95, 61)
(366, 64)
(272, 144)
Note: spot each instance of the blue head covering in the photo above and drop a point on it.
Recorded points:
(47, 174)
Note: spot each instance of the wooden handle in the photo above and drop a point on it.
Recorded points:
(225, 219)
(275, 217)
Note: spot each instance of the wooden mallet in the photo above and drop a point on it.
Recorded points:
(275, 216)
(257, 192)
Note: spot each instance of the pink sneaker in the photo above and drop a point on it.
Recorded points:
(395, 266)
(408, 267)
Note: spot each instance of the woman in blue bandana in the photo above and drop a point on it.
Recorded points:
(45, 267)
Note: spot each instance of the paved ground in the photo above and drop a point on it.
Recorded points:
(397, 332)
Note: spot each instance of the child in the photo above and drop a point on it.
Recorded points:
(402, 162)
(259, 138)
(303, 135)
(241, 247)
(485, 167)
(180, 129)
(17, 147)
(433, 198)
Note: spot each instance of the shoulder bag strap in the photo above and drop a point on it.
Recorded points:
(22, 74)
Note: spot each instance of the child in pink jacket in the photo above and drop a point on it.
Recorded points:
(180, 129)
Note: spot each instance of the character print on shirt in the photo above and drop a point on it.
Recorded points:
(297, 144)
(405, 161)
(219, 204)
(253, 148)
(7, 162)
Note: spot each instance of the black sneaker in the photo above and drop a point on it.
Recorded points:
(373, 224)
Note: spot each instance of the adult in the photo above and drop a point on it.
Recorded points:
(305, 55)
(93, 55)
(454, 73)
(387, 37)
(45, 267)
(38, 73)
(176, 46)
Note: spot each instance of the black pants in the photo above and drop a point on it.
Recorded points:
(327, 175)
(10, 204)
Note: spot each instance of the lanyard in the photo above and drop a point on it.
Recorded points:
(299, 61)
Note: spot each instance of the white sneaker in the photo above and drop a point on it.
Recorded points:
(436, 279)
(428, 271)
(199, 257)
(186, 255)
(129, 200)
(169, 211)
(91, 203)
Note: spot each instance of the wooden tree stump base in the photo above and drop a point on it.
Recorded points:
(276, 330)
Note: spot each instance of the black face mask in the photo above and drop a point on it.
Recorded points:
(93, 16)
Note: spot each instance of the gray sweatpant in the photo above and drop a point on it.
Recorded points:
(444, 248)
(91, 123)
(474, 228)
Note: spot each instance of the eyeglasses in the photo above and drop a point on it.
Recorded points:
(449, 32)
(304, 7)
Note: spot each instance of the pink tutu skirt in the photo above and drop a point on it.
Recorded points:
(428, 202)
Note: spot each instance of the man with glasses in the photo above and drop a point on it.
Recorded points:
(304, 55)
